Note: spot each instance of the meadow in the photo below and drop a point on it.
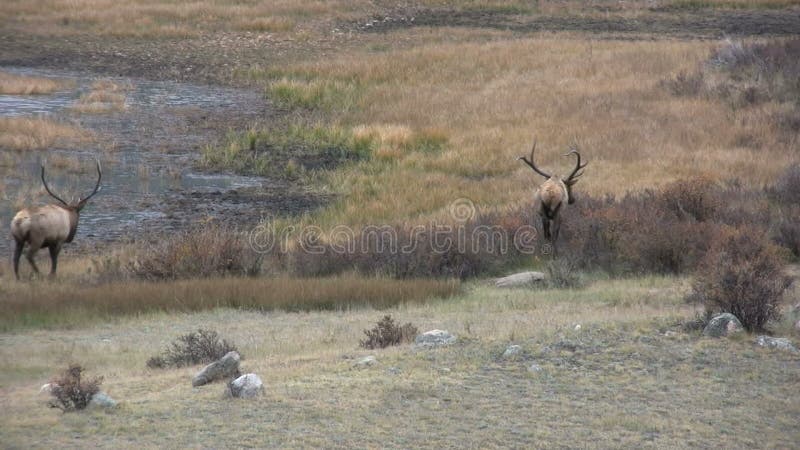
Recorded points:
(399, 115)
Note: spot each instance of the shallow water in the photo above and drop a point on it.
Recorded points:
(148, 153)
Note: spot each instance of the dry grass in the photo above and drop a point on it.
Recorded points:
(105, 96)
(618, 381)
(12, 84)
(44, 303)
(38, 133)
(490, 99)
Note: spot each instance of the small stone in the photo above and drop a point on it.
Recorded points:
(776, 343)
(534, 368)
(47, 388)
(246, 386)
(512, 350)
(577, 327)
(434, 338)
(670, 333)
(723, 325)
(366, 361)
(102, 400)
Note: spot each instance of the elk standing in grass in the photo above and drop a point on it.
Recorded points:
(553, 193)
(47, 226)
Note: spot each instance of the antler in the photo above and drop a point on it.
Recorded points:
(48, 187)
(96, 186)
(530, 163)
(578, 171)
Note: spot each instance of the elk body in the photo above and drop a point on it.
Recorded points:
(554, 193)
(47, 226)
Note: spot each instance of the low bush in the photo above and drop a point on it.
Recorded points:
(742, 274)
(199, 347)
(212, 251)
(71, 392)
(386, 333)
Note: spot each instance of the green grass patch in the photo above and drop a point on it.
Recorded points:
(289, 151)
(326, 95)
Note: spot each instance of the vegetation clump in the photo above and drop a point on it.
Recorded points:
(386, 333)
(215, 250)
(742, 274)
(200, 347)
(71, 392)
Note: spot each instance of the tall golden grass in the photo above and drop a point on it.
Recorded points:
(58, 303)
(491, 99)
(105, 96)
(12, 84)
(38, 133)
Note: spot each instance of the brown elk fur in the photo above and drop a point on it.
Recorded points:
(48, 226)
(551, 195)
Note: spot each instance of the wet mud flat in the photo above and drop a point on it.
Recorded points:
(149, 153)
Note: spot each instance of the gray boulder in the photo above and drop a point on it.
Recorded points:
(102, 400)
(722, 325)
(225, 367)
(522, 279)
(776, 343)
(246, 386)
(434, 338)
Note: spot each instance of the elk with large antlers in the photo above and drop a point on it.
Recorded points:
(553, 193)
(47, 226)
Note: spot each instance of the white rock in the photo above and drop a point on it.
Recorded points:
(534, 368)
(246, 386)
(102, 400)
(434, 338)
(47, 388)
(777, 343)
(366, 361)
(512, 350)
(522, 279)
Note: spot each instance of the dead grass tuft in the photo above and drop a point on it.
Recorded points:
(39, 133)
(105, 96)
(12, 84)
(200, 347)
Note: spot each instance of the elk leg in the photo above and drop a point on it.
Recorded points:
(32, 249)
(54, 249)
(546, 227)
(17, 254)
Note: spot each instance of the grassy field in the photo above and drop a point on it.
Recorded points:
(395, 121)
(628, 377)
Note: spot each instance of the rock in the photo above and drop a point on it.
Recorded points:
(246, 386)
(512, 351)
(434, 338)
(534, 368)
(797, 325)
(670, 333)
(47, 388)
(366, 361)
(102, 400)
(777, 343)
(522, 279)
(722, 325)
(225, 367)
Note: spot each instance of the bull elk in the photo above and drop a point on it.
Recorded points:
(553, 193)
(48, 226)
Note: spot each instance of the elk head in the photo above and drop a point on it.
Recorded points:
(48, 226)
(554, 192)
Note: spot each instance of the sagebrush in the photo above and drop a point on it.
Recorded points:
(200, 347)
(71, 391)
(386, 333)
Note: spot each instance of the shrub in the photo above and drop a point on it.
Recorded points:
(387, 333)
(70, 391)
(200, 347)
(742, 274)
(787, 187)
(788, 230)
(211, 251)
(562, 273)
(694, 198)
